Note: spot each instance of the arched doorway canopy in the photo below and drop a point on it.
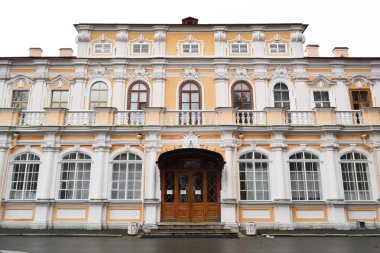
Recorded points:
(190, 158)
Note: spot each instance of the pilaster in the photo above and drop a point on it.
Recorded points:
(119, 89)
(39, 91)
(221, 82)
(83, 40)
(158, 87)
(220, 41)
(261, 87)
(121, 43)
(160, 40)
(79, 85)
(258, 42)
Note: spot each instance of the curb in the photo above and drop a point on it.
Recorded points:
(65, 235)
(320, 235)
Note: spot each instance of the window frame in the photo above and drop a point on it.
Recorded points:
(254, 161)
(140, 44)
(305, 181)
(233, 91)
(112, 180)
(323, 102)
(13, 102)
(180, 92)
(369, 96)
(130, 91)
(239, 47)
(74, 189)
(98, 102)
(27, 171)
(282, 91)
(60, 102)
(354, 172)
(277, 47)
(102, 51)
(190, 48)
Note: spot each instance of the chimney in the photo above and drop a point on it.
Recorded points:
(35, 52)
(189, 21)
(312, 51)
(340, 52)
(65, 52)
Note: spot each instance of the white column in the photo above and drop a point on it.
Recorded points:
(280, 177)
(261, 90)
(45, 185)
(376, 92)
(37, 98)
(158, 88)
(78, 95)
(302, 95)
(376, 155)
(159, 40)
(151, 201)
(220, 41)
(121, 43)
(118, 96)
(342, 98)
(83, 40)
(221, 83)
(296, 44)
(331, 170)
(258, 43)
(98, 178)
(3, 166)
(3, 93)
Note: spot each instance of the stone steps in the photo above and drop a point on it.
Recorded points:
(189, 230)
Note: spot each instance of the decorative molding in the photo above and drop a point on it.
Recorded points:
(99, 72)
(241, 74)
(103, 147)
(122, 36)
(60, 80)
(190, 73)
(21, 80)
(359, 80)
(329, 146)
(339, 76)
(4, 147)
(321, 81)
(281, 72)
(375, 76)
(258, 36)
(190, 140)
(220, 36)
(297, 37)
(83, 36)
(140, 74)
(190, 39)
(223, 76)
(51, 147)
(300, 76)
(278, 146)
(261, 76)
(159, 76)
(228, 145)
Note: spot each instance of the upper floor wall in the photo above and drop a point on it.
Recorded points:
(145, 41)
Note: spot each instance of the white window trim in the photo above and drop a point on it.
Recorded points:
(102, 51)
(239, 43)
(190, 53)
(277, 43)
(312, 102)
(190, 39)
(141, 43)
(21, 89)
(50, 100)
(141, 40)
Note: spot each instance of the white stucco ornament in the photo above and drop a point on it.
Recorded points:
(99, 72)
(281, 72)
(190, 73)
(190, 140)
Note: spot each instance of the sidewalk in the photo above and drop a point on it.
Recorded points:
(320, 232)
(63, 232)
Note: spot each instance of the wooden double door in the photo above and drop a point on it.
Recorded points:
(190, 195)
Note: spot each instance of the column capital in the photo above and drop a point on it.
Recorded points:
(263, 76)
(228, 145)
(4, 147)
(329, 146)
(102, 147)
(375, 145)
(158, 76)
(278, 146)
(51, 147)
(221, 76)
(152, 146)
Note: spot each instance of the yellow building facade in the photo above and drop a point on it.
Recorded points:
(226, 123)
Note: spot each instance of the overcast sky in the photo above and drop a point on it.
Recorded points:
(49, 24)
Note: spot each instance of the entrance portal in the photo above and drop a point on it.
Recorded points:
(190, 185)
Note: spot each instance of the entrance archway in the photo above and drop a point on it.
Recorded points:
(190, 185)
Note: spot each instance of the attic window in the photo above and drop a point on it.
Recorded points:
(189, 21)
(102, 48)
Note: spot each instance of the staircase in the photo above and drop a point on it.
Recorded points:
(190, 230)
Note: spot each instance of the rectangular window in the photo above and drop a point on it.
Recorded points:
(102, 48)
(140, 48)
(239, 48)
(321, 99)
(254, 181)
(360, 99)
(59, 98)
(20, 99)
(277, 48)
(190, 48)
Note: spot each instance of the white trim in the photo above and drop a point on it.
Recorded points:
(119, 151)
(255, 149)
(140, 40)
(190, 39)
(330, 93)
(75, 149)
(307, 150)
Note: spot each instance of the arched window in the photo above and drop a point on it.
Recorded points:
(98, 95)
(75, 176)
(242, 96)
(281, 96)
(138, 96)
(355, 176)
(253, 176)
(304, 176)
(24, 176)
(190, 97)
(126, 176)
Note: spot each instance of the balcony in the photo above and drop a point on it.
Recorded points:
(223, 116)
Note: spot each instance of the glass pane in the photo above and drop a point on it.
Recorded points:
(183, 187)
(198, 187)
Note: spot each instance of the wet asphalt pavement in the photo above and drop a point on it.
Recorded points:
(175, 245)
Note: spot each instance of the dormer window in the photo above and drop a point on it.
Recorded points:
(141, 48)
(277, 48)
(102, 48)
(190, 48)
(239, 48)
